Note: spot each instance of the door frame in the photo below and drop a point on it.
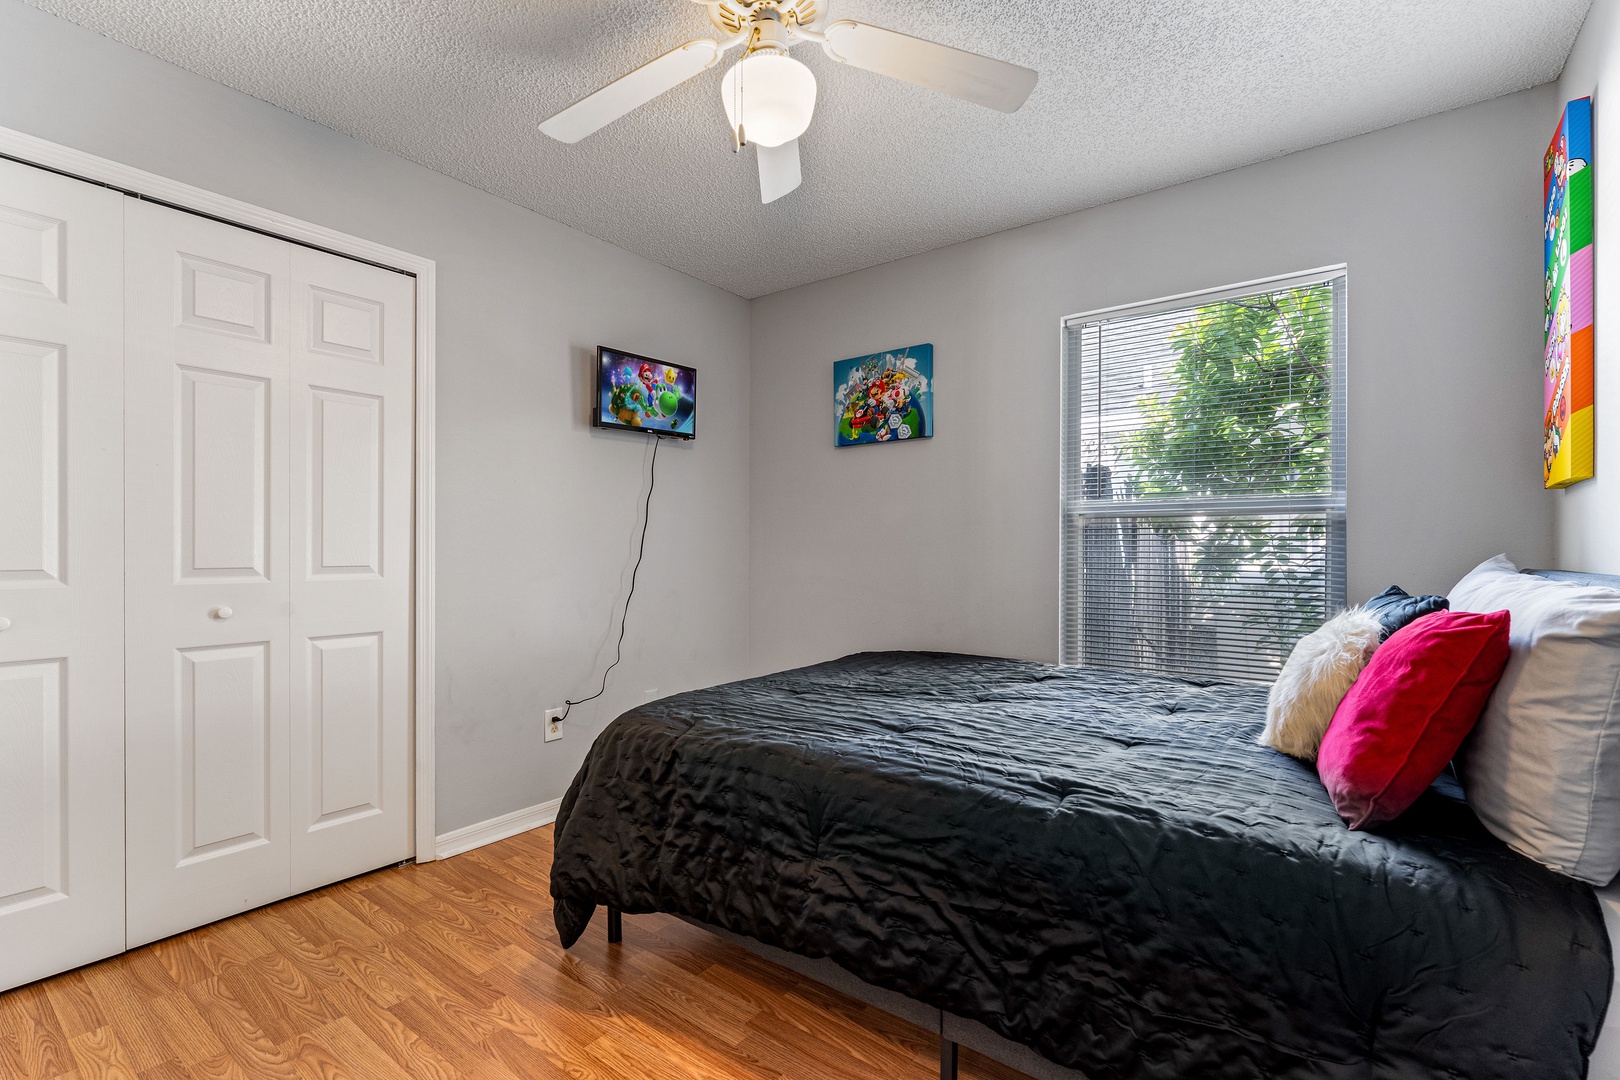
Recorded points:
(31, 150)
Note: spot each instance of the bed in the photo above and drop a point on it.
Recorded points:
(1101, 866)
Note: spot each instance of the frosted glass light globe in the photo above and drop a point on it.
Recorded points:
(774, 93)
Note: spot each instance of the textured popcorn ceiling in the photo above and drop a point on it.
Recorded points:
(1133, 95)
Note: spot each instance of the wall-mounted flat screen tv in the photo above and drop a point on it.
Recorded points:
(638, 393)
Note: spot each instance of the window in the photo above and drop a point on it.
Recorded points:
(1203, 478)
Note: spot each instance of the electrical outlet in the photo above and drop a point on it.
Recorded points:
(554, 724)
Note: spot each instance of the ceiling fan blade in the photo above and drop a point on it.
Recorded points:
(961, 74)
(625, 95)
(778, 170)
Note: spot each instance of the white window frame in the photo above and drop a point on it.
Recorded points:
(1073, 512)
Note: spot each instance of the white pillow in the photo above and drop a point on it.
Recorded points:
(1542, 767)
(1315, 679)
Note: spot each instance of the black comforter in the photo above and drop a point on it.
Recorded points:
(1101, 865)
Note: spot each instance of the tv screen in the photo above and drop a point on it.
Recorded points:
(638, 393)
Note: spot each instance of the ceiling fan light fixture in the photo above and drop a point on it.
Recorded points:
(770, 95)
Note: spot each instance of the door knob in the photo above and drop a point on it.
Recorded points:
(5, 624)
(222, 613)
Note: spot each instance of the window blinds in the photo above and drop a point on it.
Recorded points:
(1204, 479)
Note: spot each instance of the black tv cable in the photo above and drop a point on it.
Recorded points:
(641, 549)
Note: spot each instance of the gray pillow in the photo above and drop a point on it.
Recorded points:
(1542, 767)
(1395, 607)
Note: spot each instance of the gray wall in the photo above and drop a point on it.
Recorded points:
(952, 543)
(536, 511)
(1589, 512)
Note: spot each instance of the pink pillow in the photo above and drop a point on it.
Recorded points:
(1409, 711)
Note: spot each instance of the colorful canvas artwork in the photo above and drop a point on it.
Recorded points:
(1568, 401)
(884, 397)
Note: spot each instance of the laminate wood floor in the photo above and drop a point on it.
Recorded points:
(446, 970)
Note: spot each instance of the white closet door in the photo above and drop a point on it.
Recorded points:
(353, 355)
(208, 374)
(61, 574)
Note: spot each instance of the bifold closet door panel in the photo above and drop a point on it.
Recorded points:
(208, 569)
(353, 356)
(61, 573)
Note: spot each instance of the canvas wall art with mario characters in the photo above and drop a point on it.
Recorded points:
(885, 397)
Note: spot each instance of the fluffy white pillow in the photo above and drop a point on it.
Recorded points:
(1314, 680)
(1542, 767)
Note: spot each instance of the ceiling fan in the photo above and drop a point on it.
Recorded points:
(769, 96)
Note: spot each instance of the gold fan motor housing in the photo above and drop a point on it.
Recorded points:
(735, 16)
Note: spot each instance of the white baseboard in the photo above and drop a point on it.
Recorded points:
(480, 833)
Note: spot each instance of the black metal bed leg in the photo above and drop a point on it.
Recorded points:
(947, 1059)
(615, 926)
